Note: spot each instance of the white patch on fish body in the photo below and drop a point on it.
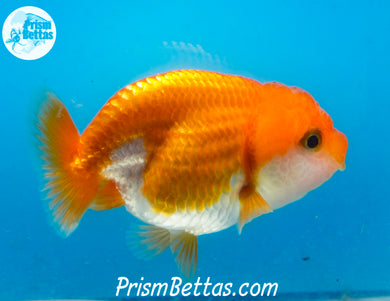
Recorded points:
(128, 162)
(288, 178)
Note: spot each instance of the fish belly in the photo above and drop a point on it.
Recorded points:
(126, 169)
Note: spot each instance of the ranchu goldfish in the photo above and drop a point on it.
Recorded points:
(189, 152)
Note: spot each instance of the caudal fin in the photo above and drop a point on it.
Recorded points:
(69, 189)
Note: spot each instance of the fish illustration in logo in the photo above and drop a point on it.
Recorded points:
(15, 38)
(189, 152)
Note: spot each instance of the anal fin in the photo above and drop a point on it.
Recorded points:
(252, 205)
(107, 197)
(155, 239)
(148, 241)
(151, 241)
(184, 247)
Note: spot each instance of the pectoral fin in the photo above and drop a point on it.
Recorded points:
(252, 205)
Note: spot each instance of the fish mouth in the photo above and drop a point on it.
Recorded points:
(342, 166)
(337, 148)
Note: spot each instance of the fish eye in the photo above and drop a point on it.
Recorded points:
(311, 140)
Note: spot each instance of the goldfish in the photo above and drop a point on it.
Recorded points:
(188, 152)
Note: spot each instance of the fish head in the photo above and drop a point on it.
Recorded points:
(299, 147)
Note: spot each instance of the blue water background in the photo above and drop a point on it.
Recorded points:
(337, 50)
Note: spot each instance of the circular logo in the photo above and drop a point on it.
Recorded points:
(29, 33)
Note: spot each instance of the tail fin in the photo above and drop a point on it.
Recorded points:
(70, 190)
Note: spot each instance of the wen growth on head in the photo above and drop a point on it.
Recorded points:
(189, 152)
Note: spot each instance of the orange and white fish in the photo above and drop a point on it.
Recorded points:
(189, 152)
